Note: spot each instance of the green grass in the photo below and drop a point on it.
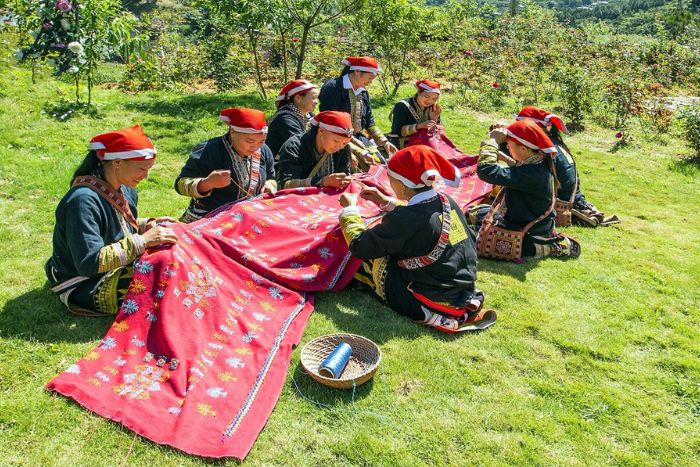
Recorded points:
(593, 361)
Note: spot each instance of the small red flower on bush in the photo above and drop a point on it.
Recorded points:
(63, 5)
(619, 135)
(295, 39)
(469, 53)
(495, 85)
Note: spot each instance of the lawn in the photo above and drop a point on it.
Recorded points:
(593, 361)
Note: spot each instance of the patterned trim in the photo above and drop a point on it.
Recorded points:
(108, 193)
(250, 398)
(426, 260)
(356, 110)
(379, 272)
(341, 268)
(253, 177)
(107, 292)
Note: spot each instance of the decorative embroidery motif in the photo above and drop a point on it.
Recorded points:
(199, 287)
(247, 170)
(141, 384)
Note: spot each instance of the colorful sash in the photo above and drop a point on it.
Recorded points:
(426, 260)
(254, 176)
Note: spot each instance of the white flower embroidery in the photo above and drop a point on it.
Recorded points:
(216, 392)
(234, 362)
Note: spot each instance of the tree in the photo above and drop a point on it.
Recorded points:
(395, 26)
(74, 38)
(310, 14)
(252, 16)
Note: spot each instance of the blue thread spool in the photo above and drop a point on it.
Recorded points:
(334, 364)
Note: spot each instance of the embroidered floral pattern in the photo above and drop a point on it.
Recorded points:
(141, 384)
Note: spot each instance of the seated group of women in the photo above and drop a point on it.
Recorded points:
(420, 259)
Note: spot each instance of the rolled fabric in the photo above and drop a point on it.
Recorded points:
(335, 363)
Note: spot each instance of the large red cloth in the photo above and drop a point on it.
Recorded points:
(228, 301)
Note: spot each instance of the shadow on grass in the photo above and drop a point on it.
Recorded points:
(518, 271)
(38, 316)
(307, 388)
(359, 311)
(180, 116)
(194, 107)
(689, 166)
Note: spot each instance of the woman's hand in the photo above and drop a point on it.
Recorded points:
(368, 158)
(270, 186)
(159, 220)
(336, 180)
(347, 199)
(216, 179)
(434, 112)
(429, 124)
(159, 235)
(499, 134)
(390, 149)
(370, 193)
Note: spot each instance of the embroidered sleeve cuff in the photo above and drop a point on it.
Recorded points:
(377, 136)
(488, 152)
(120, 254)
(189, 187)
(356, 150)
(389, 205)
(408, 130)
(349, 210)
(351, 225)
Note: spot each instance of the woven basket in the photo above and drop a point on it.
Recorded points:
(363, 363)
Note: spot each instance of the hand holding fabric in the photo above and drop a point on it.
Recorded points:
(336, 180)
(159, 235)
(348, 199)
(390, 149)
(270, 186)
(370, 193)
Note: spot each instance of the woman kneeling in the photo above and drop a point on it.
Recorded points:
(421, 258)
(521, 220)
(97, 235)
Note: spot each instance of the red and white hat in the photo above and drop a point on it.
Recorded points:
(362, 64)
(244, 120)
(292, 88)
(128, 143)
(428, 85)
(419, 166)
(529, 134)
(542, 117)
(339, 123)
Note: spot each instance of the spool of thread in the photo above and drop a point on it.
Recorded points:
(335, 363)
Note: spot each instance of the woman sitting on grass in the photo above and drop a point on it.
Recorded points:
(569, 192)
(347, 93)
(528, 190)
(227, 168)
(97, 235)
(421, 258)
(412, 114)
(295, 105)
(319, 157)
